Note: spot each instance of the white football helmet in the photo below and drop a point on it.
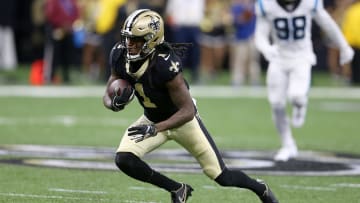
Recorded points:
(147, 25)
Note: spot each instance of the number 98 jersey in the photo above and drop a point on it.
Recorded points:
(290, 30)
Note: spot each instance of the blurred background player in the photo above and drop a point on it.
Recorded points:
(214, 27)
(59, 48)
(351, 31)
(290, 59)
(154, 71)
(183, 18)
(244, 57)
(8, 55)
(340, 75)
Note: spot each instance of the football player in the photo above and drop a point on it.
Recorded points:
(287, 24)
(154, 71)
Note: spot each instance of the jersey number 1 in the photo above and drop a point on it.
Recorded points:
(293, 28)
(147, 102)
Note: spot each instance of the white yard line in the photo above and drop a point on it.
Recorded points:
(347, 185)
(65, 120)
(332, 187)
(211, 187)
(303, 187)
(10, 194)
(77, 191)
(196, 91)
(143, 188)
(21, 195)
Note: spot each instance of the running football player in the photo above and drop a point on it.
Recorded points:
(288, 24)
(154, 70)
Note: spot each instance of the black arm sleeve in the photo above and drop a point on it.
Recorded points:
(117, 58)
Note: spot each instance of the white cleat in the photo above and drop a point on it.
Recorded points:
(286, 153)
(298, 116)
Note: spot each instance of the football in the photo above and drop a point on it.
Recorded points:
(118, 87)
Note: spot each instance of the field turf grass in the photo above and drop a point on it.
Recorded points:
(240, 123)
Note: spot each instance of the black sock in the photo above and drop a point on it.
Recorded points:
(164, 182)
(134, 167)
(237, 178)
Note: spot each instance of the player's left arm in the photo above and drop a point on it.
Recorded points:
(180, 95)
(328, 25)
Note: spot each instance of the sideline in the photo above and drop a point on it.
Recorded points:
(196, 91)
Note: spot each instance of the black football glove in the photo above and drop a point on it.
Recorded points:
(119, 101)
(141, 132)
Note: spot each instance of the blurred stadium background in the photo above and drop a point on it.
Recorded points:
(29, 25)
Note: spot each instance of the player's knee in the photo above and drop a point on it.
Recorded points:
(278, 106)
(277, 100)
(123, 160)
(299, 100)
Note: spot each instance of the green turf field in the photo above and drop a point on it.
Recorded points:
(240, 121)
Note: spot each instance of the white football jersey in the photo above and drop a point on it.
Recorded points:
(290, 30)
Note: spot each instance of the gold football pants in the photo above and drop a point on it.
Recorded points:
(193, 136)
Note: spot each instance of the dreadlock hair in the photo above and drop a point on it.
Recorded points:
(178, 48)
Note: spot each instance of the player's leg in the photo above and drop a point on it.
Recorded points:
(238, 58)
(194, 137)
(277, 84)
(299, 86)
(128, 159)
(254, 65)
(237, 178)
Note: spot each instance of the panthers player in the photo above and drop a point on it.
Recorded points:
(290, 56)
(154, 70)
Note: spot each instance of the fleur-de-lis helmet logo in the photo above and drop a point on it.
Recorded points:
(154, 24)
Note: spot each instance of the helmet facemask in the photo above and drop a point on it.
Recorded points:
(289, 1)
(289, 5)
(145, 25)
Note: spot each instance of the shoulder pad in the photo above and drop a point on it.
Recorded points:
(169, 64)
(316, 6)
(261, 7)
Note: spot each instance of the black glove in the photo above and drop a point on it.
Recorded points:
(141, 132)
(120, 101)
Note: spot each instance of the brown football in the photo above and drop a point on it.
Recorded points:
(118, 86)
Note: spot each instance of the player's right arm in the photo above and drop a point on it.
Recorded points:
(107, 100)
(332, 30)
(262, 34)
(116, 52)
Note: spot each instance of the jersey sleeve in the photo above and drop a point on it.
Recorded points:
(259, 8)
(168, 66)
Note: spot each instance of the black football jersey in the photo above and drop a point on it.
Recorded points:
(149, 77)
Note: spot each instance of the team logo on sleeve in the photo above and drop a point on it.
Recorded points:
(174, 66)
